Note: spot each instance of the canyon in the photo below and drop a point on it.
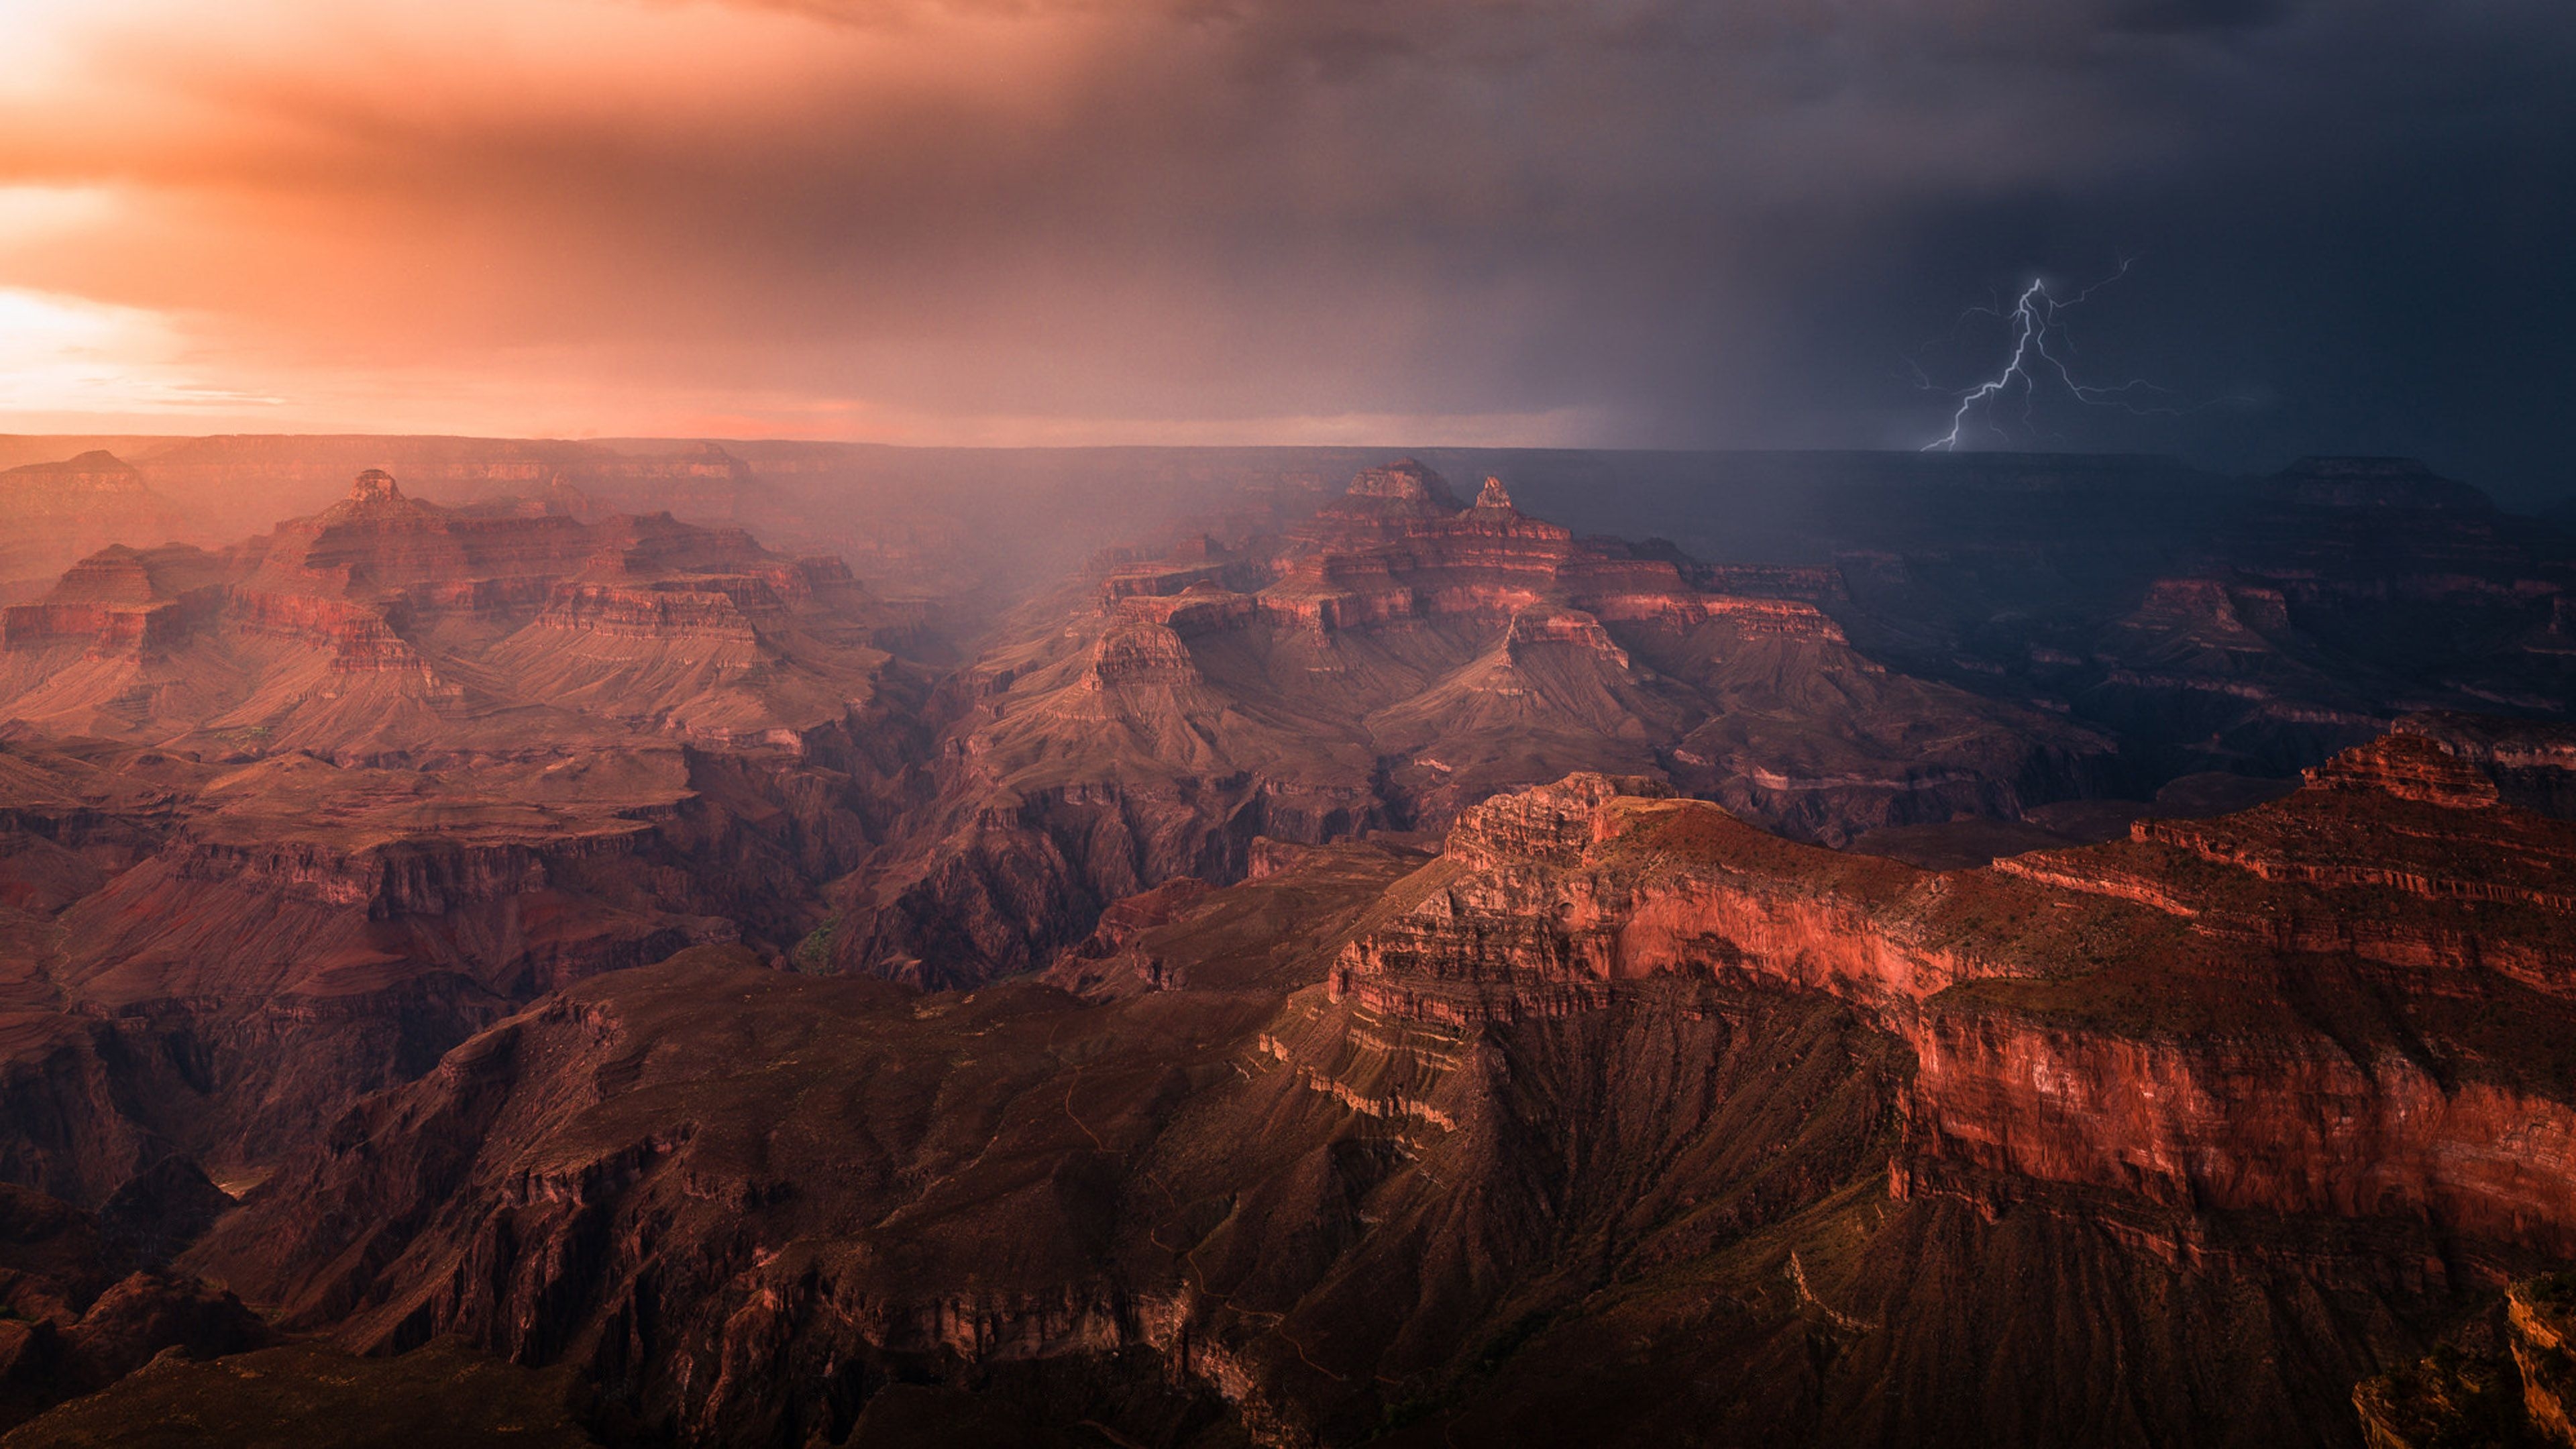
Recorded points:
(1292, 952)
(1377, 665)
(1616, 1089)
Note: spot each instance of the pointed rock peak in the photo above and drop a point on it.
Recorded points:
(2410, 767)
(1405, 480)
(375, 486)
(1495, 495)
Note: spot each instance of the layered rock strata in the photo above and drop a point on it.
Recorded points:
(1618, 1093)
(1380, 664)
(389, 628)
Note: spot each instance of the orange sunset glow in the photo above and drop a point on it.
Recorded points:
(1017, 221)
(907, 220)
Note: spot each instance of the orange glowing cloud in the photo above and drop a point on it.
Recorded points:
(1536, 221)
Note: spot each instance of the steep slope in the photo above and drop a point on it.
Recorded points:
(220, 958)
(282, 823)
(1620, 1118)
(298, 1396)
(2508, 1387)
(1381, 663)
(82, 1306)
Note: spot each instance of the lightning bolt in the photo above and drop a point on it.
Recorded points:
(2035, 319)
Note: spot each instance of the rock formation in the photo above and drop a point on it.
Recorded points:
(377, 778)
(388, 627)
(1380, 664)
(221, 958)
(1618, 1111)
(1398, 990)
(80, 1309)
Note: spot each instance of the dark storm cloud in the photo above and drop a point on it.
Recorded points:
(1624, 221)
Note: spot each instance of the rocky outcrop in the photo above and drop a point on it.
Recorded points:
(698, 614)
(2484, 1393)
(1383, 663)
(2028, 1073)
(2532, 762)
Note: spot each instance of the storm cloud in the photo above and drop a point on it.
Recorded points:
(1632, 222)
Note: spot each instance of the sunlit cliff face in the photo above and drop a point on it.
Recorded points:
(1288, 220)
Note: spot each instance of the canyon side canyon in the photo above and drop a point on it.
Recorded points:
(780, 944)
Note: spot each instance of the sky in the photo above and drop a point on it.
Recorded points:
(2345, 224)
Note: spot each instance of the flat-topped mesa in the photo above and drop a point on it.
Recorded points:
(2410, 767)
(121, 601)
(1202, 608)
(658, 543)
(1547, 624)
(1550, 824)
(624, 620)
(382, 545)
(61, 512)
(701, 460)
(117, 574)
(648, 612)
(1196, 561)
(1547, 901)
(2227, 612)
(1392, 495)
(1397, 548)
(2374, 483)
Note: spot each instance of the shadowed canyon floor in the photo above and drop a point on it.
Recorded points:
(1345, 964)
